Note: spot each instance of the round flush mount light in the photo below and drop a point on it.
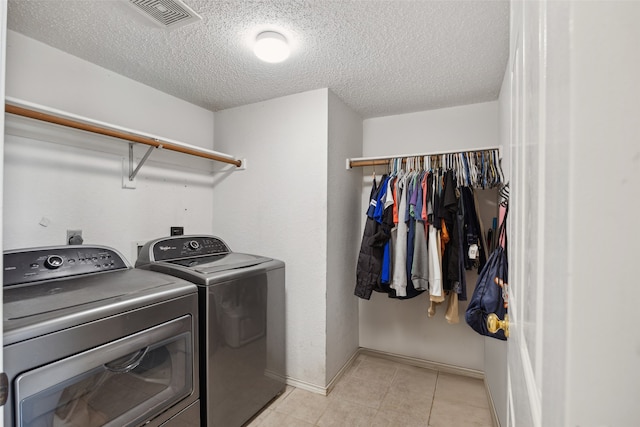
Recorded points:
(271, 47)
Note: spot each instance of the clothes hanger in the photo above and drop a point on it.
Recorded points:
(411, 167)
(496, 166)
(489, 169)
(465, 166)
(504, 195)
(465, 169)
(489, 173)
(478, 170)
(492, 169)
(468, 166)
(494, 174)
(499, 166)
(459, 169)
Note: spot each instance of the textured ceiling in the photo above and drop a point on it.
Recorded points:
(380, 57)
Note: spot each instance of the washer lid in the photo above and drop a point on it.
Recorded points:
(53, 305)
(223, 262)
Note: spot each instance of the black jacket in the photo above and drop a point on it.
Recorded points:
(374, 238)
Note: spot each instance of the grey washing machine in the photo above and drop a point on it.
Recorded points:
(242, 322)
(91, 341)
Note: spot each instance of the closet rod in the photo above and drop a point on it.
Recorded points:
(12, 107)
(357, 162)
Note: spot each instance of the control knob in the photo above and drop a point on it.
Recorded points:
(194, 245)
(53, 262)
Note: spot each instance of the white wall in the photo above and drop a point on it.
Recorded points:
(76, 182)
(604, 181)
(402, 326)
(278, 208)
(344, 187)
(44, 75)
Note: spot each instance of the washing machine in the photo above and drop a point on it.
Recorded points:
(91, 341)
(242, 322)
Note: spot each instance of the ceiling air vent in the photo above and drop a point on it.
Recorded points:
(167, 14)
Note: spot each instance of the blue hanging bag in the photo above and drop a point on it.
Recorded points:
(488, 295)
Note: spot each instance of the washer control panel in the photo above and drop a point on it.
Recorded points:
(38, 264)
(187, 247)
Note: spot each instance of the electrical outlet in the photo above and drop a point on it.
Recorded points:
(74, 237)
(177, 231)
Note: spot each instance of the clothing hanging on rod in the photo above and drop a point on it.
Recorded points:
(382, 160)
(422, 230)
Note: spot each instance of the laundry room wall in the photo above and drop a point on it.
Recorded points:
(277, 207)
(345, 141)
(401, 327)
(297, 202)
(57, 179)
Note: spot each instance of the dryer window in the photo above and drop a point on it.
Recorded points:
(122, 383)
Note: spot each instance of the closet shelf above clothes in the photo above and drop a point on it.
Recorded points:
(58, 117)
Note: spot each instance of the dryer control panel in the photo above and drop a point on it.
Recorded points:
(180, 247)
(34, 265)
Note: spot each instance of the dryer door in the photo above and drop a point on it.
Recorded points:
(122, 383)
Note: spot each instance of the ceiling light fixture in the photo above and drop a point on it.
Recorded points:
(271, 47)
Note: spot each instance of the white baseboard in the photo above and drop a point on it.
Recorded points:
(492, 407)
(319, 389)
(307, 386)
(341, 372)
(421, 363)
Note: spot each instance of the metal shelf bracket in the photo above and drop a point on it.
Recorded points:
(128, 171)
(133, 172)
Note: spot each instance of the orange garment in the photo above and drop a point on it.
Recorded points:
(395, 201)
(445, 236)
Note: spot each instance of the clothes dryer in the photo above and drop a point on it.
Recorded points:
(91, 341)
(242, 322)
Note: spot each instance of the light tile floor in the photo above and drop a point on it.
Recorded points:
(380, 393)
